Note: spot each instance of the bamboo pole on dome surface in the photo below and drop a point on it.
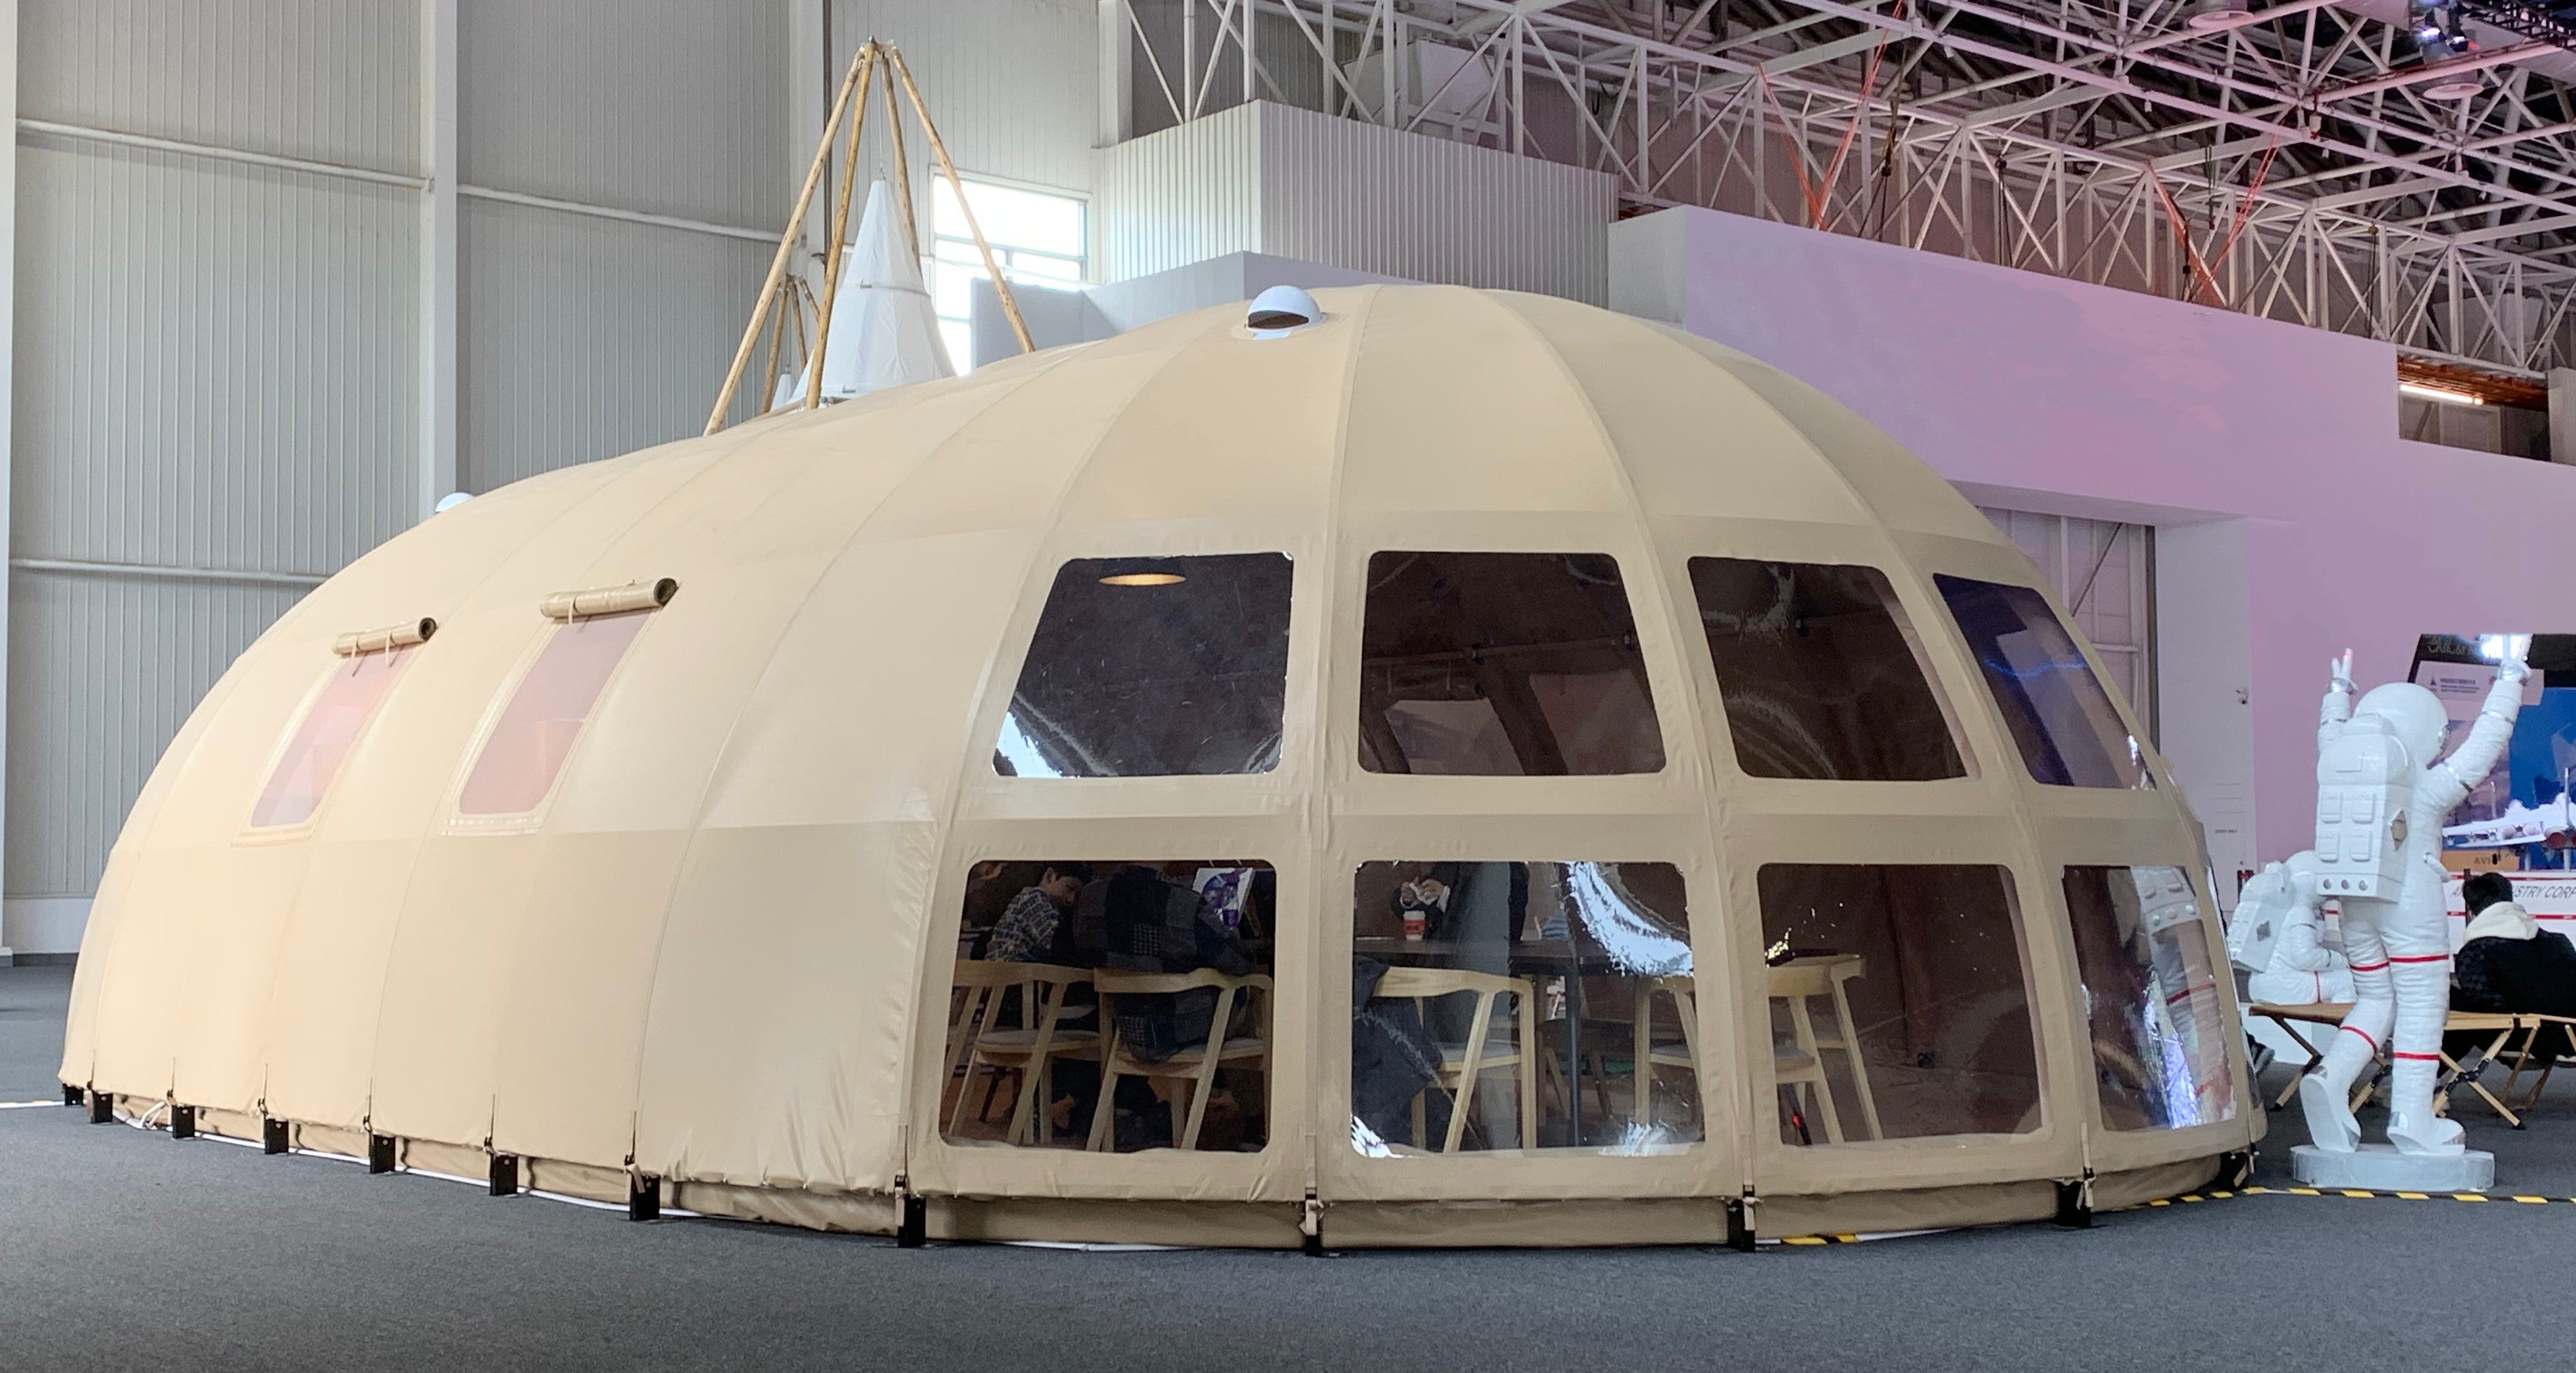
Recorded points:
(869, 57)
(786, 251)
(939, 149)
(799, 299)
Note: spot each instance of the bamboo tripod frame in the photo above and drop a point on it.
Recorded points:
(782, 293)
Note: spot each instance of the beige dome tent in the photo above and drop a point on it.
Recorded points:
(1472, 768)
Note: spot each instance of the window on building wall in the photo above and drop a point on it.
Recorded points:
(1037, 236)
(330, 728)
(1153, 667)
(1820, 673)
(528, 745)
(1503, 664)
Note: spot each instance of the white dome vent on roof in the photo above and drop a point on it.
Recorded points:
(1552, 780)
(1280, 309)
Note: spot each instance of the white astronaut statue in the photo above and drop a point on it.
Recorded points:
(2381, 801)
(2277, 935)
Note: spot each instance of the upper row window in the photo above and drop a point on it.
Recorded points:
(1528, 664)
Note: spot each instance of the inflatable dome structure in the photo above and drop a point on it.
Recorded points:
(1469, 768)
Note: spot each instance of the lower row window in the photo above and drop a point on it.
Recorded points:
(1113, 1006)
(1118, 1006)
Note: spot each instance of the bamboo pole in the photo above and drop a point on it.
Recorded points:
(868, 52)
(902, 174)
(786, 250)
(939, 149)
(778, 314)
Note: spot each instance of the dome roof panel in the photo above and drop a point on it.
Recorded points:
(1692, 443)
(1457, 405)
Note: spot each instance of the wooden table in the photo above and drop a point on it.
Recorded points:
(2502, 1025)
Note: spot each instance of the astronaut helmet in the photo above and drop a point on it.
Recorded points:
(2413, 712)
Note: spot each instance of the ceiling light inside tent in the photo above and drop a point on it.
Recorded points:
(2447, 397)
(1143, 572)
(2459, 87)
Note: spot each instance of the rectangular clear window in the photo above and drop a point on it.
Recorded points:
(1898, 1002)
(1036, 237)
(2151, 994)
(535, 733)
(2061, 720)
(1522, 1006)
(1820, 673)
(330, 728)
(1503, 664)
(1136, 995)
(1153, 667)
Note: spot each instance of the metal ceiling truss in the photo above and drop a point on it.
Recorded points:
(2284, 162)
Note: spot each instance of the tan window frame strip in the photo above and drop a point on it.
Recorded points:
(385, 640)
(609, 600)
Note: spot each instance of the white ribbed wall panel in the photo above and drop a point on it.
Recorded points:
(329, 80)
(102, 672)
(1010, 82)
(1347, 194)
(585, 338)
(215, 362)
(673, 107)
(1180, 196)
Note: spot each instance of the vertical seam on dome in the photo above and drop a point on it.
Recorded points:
(1690, 704)
(1319, 816)
(945, 831)
(724, 749)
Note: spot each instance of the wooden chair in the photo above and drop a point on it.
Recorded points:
(1652, 1056)
(1801, 1062)
(1462, 1065)
(974, 1045)
(1197, 1065)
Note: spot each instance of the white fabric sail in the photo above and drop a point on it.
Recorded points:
(884, 329)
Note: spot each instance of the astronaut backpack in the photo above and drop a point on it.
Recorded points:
(2364, 780)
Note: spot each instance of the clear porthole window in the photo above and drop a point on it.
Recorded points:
(1503, 664)
(1820, 673)
(1153, 667)
(2062, 721)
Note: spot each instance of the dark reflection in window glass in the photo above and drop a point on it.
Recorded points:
(1503, 664)
(1136, 996)
(2061, 719)
(1897, 1001)
(2151, 993)
(1820, 673)
(1520, 1006)
(1153, 667)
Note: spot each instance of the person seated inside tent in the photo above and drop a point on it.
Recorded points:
(2507, 963)
(1032, 928)
(1139, 919)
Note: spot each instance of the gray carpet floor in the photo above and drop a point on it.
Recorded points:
(121, 1248)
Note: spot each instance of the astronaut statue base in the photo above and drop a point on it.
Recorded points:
(2384, 1168)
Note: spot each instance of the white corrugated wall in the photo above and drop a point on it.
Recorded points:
(1267, 178)
(214, 370)
(581, 336)
(228, 376)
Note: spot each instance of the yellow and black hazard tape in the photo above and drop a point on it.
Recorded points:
(2190, 1198)
(2199, 1198)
